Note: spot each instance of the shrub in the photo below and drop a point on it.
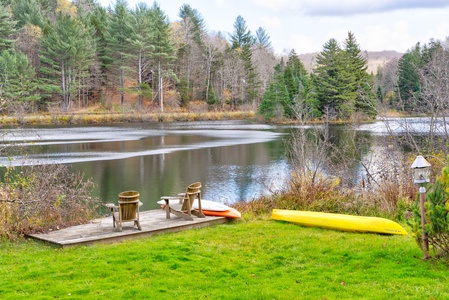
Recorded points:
(436, 216)
(42, 198)
(197, 106)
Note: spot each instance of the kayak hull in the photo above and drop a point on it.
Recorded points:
(230, 213)
(339, 221)
(210, 208)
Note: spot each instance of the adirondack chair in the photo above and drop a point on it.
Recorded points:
(184, 208)
(127, 210)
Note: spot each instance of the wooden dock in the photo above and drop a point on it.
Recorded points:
(102, 230)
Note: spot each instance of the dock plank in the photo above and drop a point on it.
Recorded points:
(102, 230)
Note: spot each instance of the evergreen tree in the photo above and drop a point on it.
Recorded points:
(164, 50)
(118, 40)
(7, 28)
(362, 86)
(251, 83)
(91, 84)
(143, 45)
(276, 98)
(262, 40)
(28, 12)
(191, 53)
(242, 42)
(298, 86)
(198, 26)
(409, 84)
(411, 65)
(99, 22)
(242, 35)
(66, 53)
(17, 79)
(331, 81)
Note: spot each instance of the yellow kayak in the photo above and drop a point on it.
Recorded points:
(339, 221)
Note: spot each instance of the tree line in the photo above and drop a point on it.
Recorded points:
(66, 54)
(73, 53)
(338, 87)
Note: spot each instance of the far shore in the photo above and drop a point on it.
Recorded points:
(133, 116)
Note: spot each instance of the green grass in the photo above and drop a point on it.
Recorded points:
(260, 259)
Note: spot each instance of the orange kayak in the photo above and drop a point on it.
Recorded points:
(212, 208)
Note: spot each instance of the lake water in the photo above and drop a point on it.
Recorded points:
(234, 160)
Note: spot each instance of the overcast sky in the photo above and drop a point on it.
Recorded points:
(306, 25)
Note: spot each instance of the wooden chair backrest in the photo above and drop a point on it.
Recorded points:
(128, 210)
(193, 191)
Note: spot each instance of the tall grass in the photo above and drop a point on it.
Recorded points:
(321, 178)
(123, 117)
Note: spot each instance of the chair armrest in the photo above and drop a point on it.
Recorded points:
(167, 198)
(110, 205)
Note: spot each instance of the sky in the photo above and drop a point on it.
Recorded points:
(306, 25)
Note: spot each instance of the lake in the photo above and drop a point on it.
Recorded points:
(234, 160)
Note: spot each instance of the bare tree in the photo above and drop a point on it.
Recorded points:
(214, 45)
(264, 62)
(435, 94)
(387, 81)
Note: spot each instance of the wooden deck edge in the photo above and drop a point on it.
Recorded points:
(134, 235)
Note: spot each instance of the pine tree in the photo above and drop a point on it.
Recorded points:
(28, 12)
(90, 85)
(410, 66)
(163, 54)
(362, 86)
(242, 35)
(298, 85)
(118, 40)
(197, 29)
(408, 83)
(143, 46)
(66, 54)
(276, 99)
(262, 40)
(99, 22)
(17, 79)
(330, 81)
(191, 53)
(242, 42)
(251, 84)
(7, 28)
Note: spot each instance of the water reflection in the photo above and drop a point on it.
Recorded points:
(235, 160)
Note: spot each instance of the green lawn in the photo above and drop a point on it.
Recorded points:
(260, 259)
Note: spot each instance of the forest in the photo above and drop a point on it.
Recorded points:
(65, 55)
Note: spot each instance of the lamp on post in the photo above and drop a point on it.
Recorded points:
(421, 176)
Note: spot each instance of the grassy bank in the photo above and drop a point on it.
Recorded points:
(261, 259)
(121, 117)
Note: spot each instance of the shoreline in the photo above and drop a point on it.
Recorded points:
(77, 118)
(85, 118)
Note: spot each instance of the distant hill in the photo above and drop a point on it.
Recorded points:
(375, 59)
